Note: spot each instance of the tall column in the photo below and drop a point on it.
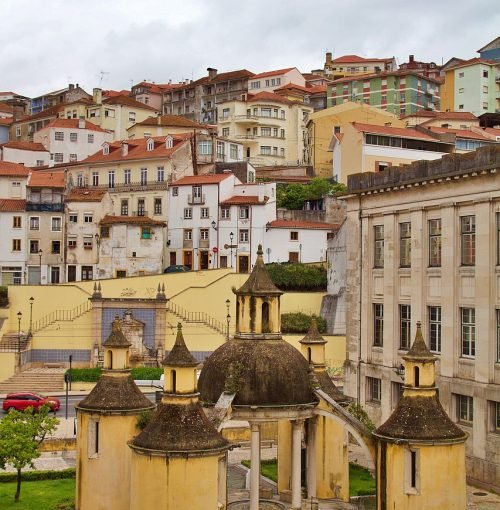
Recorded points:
(311, 458)
(255, 465)
(296, 444)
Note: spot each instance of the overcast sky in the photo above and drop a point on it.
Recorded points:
(46, 44)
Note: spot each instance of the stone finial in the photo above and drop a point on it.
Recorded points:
(419, 350)
(180, 355)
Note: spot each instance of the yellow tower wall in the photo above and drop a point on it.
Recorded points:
(176, 483)
(284, 456)
(109, 470)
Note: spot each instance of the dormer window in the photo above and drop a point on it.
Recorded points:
(169, 142)
(105, 149)
(151, 145)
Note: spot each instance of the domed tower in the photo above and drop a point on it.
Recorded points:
(179, 459)
(421, 453)
(107, 419)
(268, 377)
(330, 465)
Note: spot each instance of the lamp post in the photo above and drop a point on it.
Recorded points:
(31, 300)
(228, 318)
(19, 317)
(98, 243)
(231, 237)
(40, 253)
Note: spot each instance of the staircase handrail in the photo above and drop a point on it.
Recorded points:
(61, 315)
(202, 317)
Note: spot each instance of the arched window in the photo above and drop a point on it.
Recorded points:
(150, 144)
(169, 142)
(110, 360)
(265, 318)
(309, 355)
(105, 149)
(416, 373)
(173, 381)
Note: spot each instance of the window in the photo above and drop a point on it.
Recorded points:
(265, 131)
(265, 150)
(141, 207)
(378, 325)
(93, 438)
(79, 180)
(188, 235)
(111, 179)
(435, 328)
(160, 174)
(485, 89)
(468, 332)
(244, 212)
(221, 150)
(404, 327)
(197, 195)
(435, 243)
(73, 137)
(373, 390)
(225, 113)
(225, 212)
(34, 247)
(498, 337)
(412, 469)
(72, 242)
(109, 113)
(465, 409)
(16, 222)
(157, 206)
(95, 178)
(104, 232)
(126, 176)
(34, 223)
(90, 138)
(55, 248)
(146, 233)
(460, 106)
(495, 415)
(485, 74)
(124, 207)
(40, 162)
(59, 135)
(205, 147)
(188, 213)
(131, 116)
(378, 231)
(87, 242)
(73, 158)
(461, 90)
(294, 235)
(405, 244)
(468, 240)
(175, 191)
(265, 112)
(204, 213)
(58, 157)
(204, 234)
(16, 244)
(56, 224)
(243, 236)
(88, 217)
(282, 153)
(225, 132)
(144, 176)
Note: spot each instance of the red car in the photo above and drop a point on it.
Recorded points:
(22, 400)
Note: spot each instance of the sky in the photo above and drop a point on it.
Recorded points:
(46, 44)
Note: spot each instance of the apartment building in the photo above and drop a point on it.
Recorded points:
(271, 80)
(66, 95)
(349, 65)
(270, 126)
(152, 94)
(423, 244)
(30, 154)
(429, 69)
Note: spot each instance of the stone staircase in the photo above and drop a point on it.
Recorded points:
(39, 380)
(197, 317)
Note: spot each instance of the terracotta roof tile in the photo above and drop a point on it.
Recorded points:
(12, 205)
(474, 61)
(170, 120)
(129, 220)
(4, 107)
(85, 195)
(310, 225)
(268, 96)
(126, 101)
(53, 111)
(492, 131)
(14, 169)
(355, 58)
(454, 116)
(393, 131)
(294, 86)
(73, 124)
(383, 74)
(6, 122)
(46, 179)
(24, 146)
(245, 200)
(460, 133)
(114, 93)
(272, 73)
(201, 179)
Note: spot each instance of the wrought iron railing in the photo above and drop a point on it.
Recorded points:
(200, 317)
(61, 315)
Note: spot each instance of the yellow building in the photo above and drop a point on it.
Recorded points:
(167, 125)
(323, 124)
(421, 452)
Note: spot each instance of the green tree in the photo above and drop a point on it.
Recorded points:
(293, 196)
(20, 435)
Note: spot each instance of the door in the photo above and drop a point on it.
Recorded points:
(54, 274)
(243, 263)
(34, 275)
(87, 273)
(71, 273)
(203, 259)
(188, 259)
(173, 258)
(293, 256)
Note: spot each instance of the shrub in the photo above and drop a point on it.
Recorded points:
(300, 323)
(4, 296)
(144, 418)
(142, 373)
(360, 414)
(93, 374)
(34, 476)
(298, 277)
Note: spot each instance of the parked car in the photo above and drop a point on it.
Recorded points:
(22, 400)
(179, 268)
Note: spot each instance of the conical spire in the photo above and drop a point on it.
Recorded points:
(116, 338)
(419, 350)
(259, 281)
(179, 355)
(313, 336)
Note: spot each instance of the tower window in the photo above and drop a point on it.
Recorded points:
(416, 372)
(265, 318)
(93, 439)
(412, 471)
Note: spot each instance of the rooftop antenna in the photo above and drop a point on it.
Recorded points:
(102, 73)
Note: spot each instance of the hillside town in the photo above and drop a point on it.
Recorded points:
(145, 227)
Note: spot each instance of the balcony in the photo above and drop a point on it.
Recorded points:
(131, 186)
(197, 199)
(44, 207)
(204, 243)
(247, 137)
(140, 212)
(246, 119)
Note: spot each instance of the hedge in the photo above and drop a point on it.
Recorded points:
(300, 323)
(93, 374)
(34, 476)
(298, 277)
(4, 296)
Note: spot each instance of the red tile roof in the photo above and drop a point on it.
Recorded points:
(383, 74)
(157, 88)
(14, 169)
(123, 100)
(6, 122)
(137, 149)
(294, 86)
(231, 75)
(191, 180)
(129, 220)
(392, 131)
(46, 179)
(455, 116)
(114, 93)
(492, 131)
(460, 133)
(53, 111)
(272, 73)
(73, 124)
(171, 120)
(245, 200)
(473, 61)
(267, 97)
(12, 205)
(421, 113)
(85, 195)
(355, 58)
(4, 107)
(24, 146)
(309, 225)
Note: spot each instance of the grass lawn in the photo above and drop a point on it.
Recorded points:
(361, 482)
(44, 494)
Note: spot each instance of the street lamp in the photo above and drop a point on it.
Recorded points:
(228, 318)
(231, 237)
(40, 253)
(19, 317)
(214, 225)
(31, 300)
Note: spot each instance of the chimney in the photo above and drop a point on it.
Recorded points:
(328, 57)
(71, 86)
(97, 95)
(260, 192)
(158, 118)
(412, 58)
(81, 122)
(212, 73)
(124, 149)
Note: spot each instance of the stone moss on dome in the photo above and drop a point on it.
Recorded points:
(262, 373)
(327, 385)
